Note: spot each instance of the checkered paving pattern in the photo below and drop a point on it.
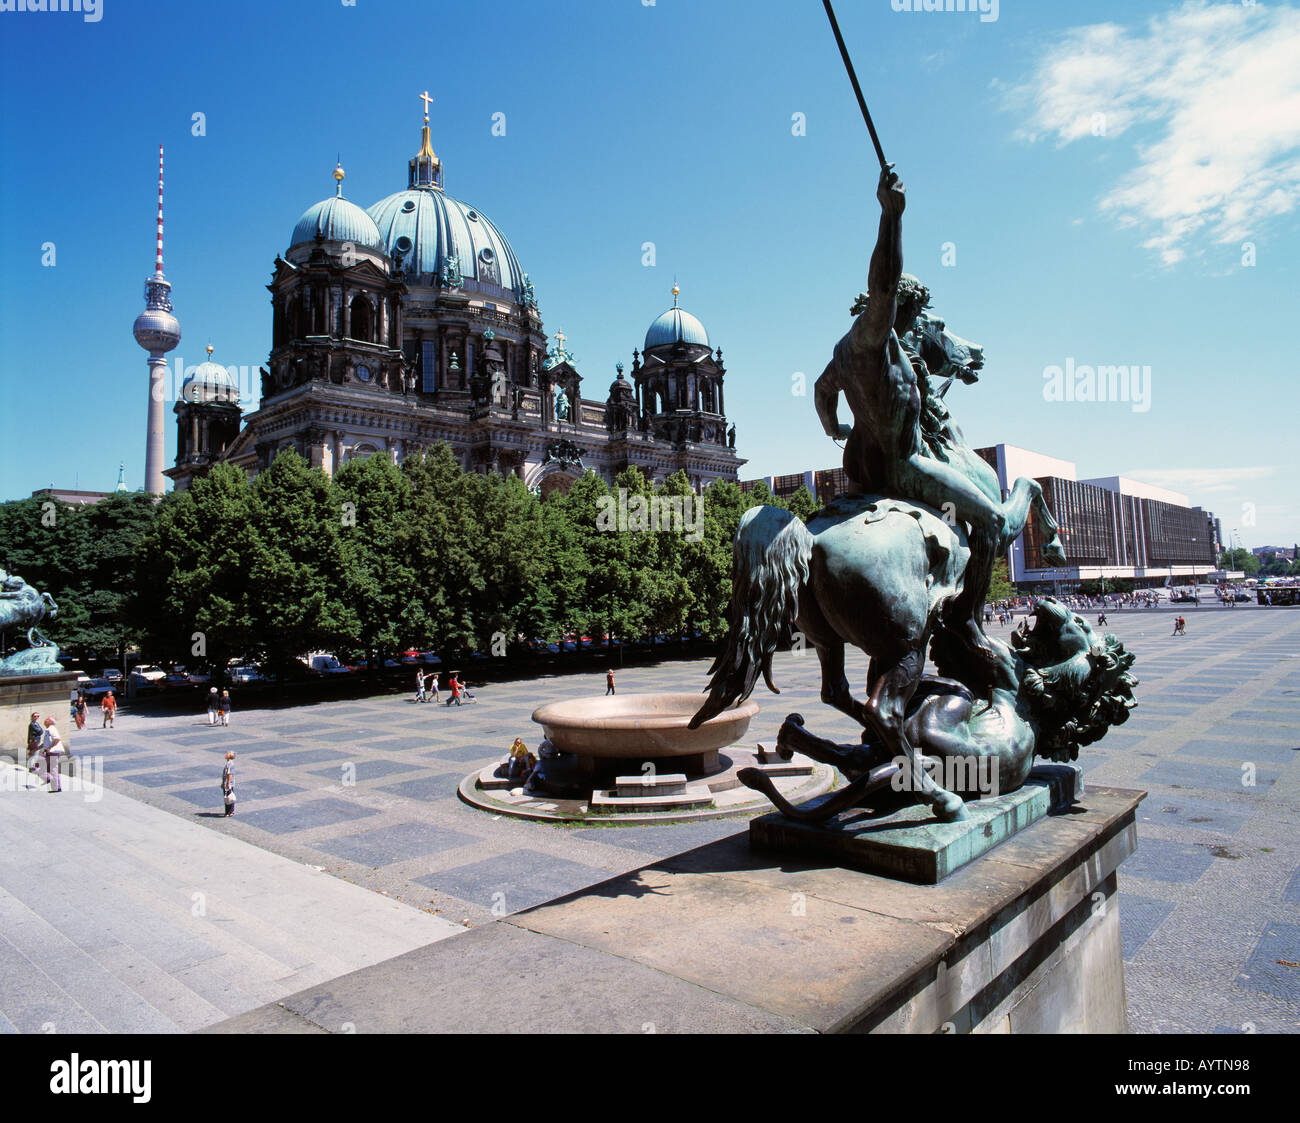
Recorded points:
(1210, 903)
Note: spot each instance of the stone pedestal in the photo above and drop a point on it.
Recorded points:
(48, 695)
(1024, 939)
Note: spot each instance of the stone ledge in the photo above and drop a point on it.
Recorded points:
(723, 940)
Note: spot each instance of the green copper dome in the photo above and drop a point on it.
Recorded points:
(337, 220)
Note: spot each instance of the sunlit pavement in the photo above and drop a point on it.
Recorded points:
(365, 790)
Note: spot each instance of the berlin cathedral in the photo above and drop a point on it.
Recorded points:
(411, 322)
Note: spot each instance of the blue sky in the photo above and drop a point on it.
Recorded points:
(1095, 171)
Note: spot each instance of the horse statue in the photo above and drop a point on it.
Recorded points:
(1059, 686)
(21, 606)
(869, 570)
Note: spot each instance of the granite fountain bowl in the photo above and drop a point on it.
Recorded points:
(640, 725)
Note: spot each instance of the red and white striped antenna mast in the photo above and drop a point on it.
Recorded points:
(158, 263)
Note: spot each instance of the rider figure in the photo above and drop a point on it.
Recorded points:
(884, 451)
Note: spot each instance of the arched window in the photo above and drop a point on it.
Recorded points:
(317, 312)
(362, 319)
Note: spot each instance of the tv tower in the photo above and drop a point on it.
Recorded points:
(157, 331)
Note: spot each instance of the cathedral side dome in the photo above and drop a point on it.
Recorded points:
(676, 326)
(210, 382)
(337, 220)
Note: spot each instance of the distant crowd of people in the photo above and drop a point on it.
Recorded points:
(426, 689)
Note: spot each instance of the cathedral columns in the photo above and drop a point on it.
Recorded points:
(345, 312)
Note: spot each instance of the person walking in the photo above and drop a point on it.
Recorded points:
(52, 748)
(79, 711)
(214, 704)
(431, 684)
(609, 682)
(108, 707)
(35, 732)
(453, 685)
(419, 686)
(224, 709)
(228, 784)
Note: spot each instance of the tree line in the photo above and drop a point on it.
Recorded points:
(374, 560)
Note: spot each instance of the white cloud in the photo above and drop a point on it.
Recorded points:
(1201, 479)
(1211, 97)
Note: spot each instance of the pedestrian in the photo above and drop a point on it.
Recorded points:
(609, 682)
(419, 686)
(431, 684)
(1101, 620)
(228, 784)
(453, 684)
(52, 748)
(35, 732)
(79, 711)
(214, 704)
(108, 707)
(225, 707)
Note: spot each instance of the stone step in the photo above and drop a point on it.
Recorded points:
(670, 783)
(694, 797)
(785, 768)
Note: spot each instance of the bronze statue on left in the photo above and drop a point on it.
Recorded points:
(21, 606)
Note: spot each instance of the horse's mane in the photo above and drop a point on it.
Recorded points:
(1078, 700)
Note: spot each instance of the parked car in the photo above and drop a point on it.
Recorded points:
(177, 677)
(246, 673)
(94, 689)
(113, 674)
(323, 663)
(152, 675)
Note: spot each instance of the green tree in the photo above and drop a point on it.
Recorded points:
(707, 564)
(379, 577)
(802, 503)
(1000, 586)
(117, 526)
(190, 596)
(444, 530)
(297, 599)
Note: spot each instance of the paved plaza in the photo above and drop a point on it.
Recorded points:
(360, 795)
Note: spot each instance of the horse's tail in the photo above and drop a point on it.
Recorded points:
(771, 556)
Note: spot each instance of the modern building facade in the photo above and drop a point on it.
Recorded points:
(411, 322)
(1112, 527)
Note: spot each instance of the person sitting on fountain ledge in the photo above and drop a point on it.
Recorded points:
(519, 765)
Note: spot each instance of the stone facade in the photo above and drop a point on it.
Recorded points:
(402, 326)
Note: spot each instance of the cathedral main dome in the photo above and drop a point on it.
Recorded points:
(437, 236)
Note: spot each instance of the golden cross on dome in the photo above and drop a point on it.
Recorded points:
(560, 337)
(424, 97)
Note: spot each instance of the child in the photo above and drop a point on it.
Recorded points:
(432, 685)
(228, 783)
(225, 707)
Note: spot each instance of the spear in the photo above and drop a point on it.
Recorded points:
(848, 65)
